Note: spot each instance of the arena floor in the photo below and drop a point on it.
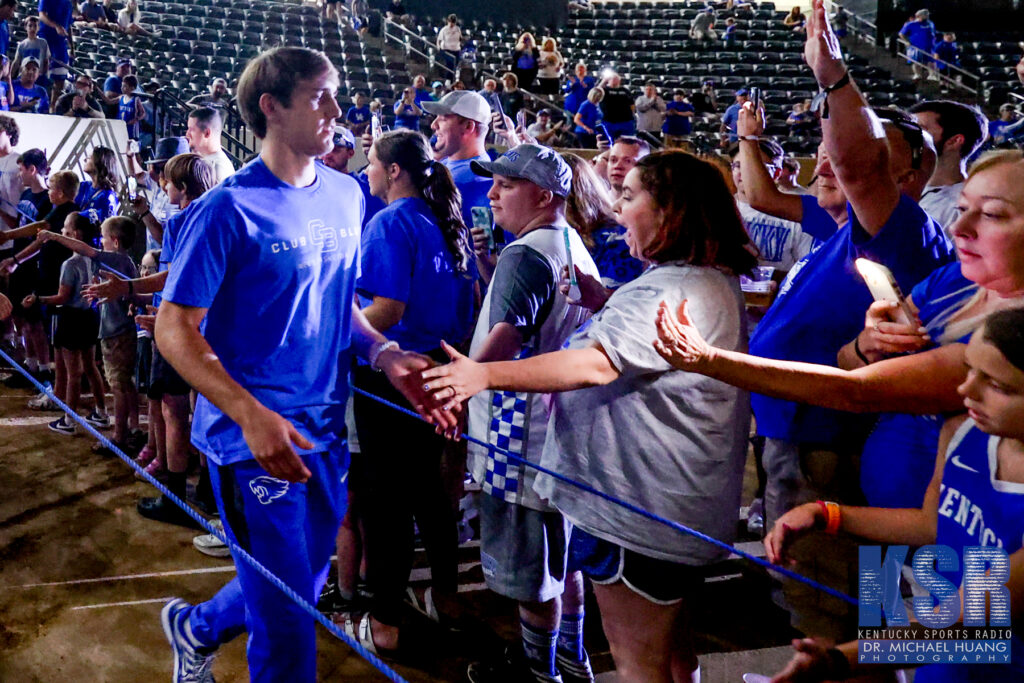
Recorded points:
(83, 578)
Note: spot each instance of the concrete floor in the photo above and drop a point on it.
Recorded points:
(83, 578)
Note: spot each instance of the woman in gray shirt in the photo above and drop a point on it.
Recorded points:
(625, 424)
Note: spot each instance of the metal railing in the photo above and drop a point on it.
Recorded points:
(172, 119)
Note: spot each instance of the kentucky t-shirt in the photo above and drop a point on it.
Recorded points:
(276, 267)
(23, 95)
(821, 306)
(405, 258)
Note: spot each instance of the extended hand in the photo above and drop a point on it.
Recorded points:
(403, 369)
(886, 332)
(456, 382)
(111, 288)
(270, 437)
(810, 663)
(822, 51)
(749, 121)
(795, 522)
(678, 340)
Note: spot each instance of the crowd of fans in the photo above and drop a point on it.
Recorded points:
(589, 315)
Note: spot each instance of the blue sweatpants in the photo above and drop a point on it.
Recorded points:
(291, 530)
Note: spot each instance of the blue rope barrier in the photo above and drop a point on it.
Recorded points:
(629, 506)
(236, 551)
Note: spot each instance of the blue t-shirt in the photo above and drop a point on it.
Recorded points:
(404, 257)
(821, 305)
(126, 112)
(59, 11)
(977, 508)
(590, 114)
(23, 95)
(358, 115)
(526, 60)
(6, 96)
(472, 187)
(97, 205)
(112, 84)
(423, 95)
(5, 37)
(612, 258)
(899, 456)
(576, 92)
(920, 34)
(276, 266)
(730, 118)
(92, 11)
(406, 117)
(675, 124)
(948, 52)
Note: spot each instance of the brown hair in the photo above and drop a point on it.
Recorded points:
(122, 229)
(276, 72)
(190, 173)
(589, 204)
(67, 183)
(702, 224)
(104, 163)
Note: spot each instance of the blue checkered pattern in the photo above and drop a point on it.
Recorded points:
(509, 414)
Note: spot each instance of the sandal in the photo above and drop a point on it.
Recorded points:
(145, 456)
(362, 633)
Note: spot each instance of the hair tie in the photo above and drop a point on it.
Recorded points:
(429, 169)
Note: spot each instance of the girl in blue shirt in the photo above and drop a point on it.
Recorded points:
(98, 198)
(418, 286)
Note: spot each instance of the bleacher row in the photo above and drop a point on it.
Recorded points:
(993, 56)
(650, 42)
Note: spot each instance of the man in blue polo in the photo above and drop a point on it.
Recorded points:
(259, 317)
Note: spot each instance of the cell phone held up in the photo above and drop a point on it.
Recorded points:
(482, 220)
(883, 287)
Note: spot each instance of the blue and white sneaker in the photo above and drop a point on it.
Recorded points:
(192, 662)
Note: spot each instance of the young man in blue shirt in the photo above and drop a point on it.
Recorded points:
(258, 315)
(56, 17)
(29, 97)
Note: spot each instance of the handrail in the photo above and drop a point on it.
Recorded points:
(176, 110)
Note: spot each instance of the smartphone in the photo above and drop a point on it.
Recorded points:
(521, 119)
(501, 112)
(482, 220)
(375, 126)
(574, 285)
(133, 147)
(884, 287)
(133, 189)
(755, 98)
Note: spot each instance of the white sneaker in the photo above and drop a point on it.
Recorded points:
(208, 544)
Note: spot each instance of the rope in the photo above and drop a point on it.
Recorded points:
(236, 552)
(681, 528)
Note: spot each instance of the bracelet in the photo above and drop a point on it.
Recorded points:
(377, 349)
(839, 669)
(749, 138)
(830, 511)
(860, 354)
(143, 216)
(820, 102)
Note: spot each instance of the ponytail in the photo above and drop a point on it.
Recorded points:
(445, 202)
(411, 151)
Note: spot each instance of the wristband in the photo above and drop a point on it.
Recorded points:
(377, 349)
(830, 511)
(860, 354)
(839, 665)
(820, 102)
(143, 216)
(749, 138)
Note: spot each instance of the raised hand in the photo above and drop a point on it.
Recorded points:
(750, 122)
(678, 340)
(456, 382)
(822, 51)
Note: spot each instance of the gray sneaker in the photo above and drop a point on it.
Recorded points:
(192, 662)
(208, 544)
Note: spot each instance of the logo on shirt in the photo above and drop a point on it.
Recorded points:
(962, 465)
(320, 235)
(268, 489)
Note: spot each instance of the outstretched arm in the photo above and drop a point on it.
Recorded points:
(77, 246)
(924, 383)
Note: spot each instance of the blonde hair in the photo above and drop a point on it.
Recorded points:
(958, 329)
(520, 44)
(549, 41)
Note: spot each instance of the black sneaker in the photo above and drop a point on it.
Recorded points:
(160, 509)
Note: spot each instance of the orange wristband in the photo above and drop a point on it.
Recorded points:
(830, 511)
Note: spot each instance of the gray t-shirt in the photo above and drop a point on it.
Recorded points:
(671, 442)
(75, 273)
(115, 317)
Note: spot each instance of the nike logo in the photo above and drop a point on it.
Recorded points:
(956, 461)
(268, 489)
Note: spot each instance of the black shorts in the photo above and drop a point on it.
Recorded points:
(164, 380)
(143, 364)
(661, 581)
(75, 329)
